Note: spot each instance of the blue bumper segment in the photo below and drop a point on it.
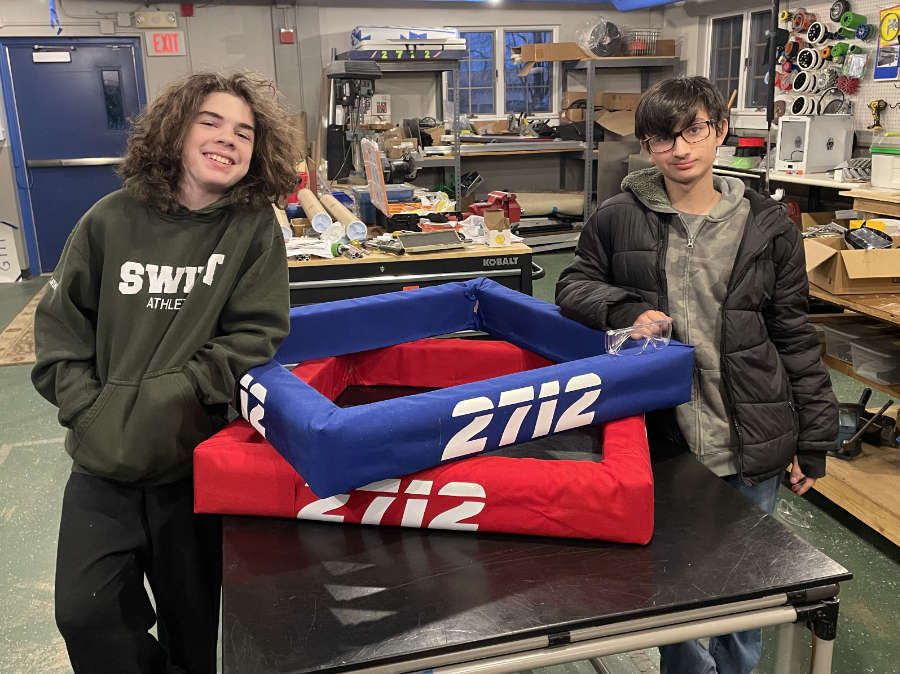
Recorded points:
(339, 449)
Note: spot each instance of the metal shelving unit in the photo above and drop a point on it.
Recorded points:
(412, 60)
(645, 64)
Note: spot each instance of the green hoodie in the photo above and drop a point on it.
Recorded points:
(148, 321)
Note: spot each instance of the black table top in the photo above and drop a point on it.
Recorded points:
(303, 596)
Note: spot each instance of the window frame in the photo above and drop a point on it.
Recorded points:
(744, 70)
(483, 115)
(500, 71)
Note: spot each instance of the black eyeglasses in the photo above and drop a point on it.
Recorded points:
(695, 133)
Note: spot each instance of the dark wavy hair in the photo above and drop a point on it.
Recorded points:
(673, 104)
(153, 165)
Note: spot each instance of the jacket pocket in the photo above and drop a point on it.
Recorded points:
(142, 431)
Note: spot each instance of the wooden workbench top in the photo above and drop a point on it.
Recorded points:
(470, 250)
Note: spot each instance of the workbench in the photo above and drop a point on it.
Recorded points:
(305, 596)
(323, 280)
(866, 486)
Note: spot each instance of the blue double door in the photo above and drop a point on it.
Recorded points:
(69, 104)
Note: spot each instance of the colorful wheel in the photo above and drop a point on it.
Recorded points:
(838, 9)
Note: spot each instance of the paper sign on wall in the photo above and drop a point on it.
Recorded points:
(9, 257)
(887, 58)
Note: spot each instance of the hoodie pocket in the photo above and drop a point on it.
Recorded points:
(142, 431)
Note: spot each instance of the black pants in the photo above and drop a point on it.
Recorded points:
(110, 536)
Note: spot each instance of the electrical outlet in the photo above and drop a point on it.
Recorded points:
(155, 20)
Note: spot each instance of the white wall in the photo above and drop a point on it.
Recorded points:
(241, 35)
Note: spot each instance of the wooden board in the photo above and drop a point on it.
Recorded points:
(883, 306)
(471, 250)
(867, 488)
(869, 193)
(875, 202)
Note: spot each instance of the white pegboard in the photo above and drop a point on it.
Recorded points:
(869, 89)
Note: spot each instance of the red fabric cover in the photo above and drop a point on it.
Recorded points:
(237, 472)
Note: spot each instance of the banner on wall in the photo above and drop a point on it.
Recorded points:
(887, 55)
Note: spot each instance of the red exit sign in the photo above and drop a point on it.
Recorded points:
(165, 43)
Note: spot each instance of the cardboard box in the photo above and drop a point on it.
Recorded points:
(832, 267)
(436, 133)
(302, 227)
(666, 48)
(529, 54)
(395, 147)
(495, 220)
(819, 218)
(496, 228)
(604, 101)
(614, 101)
(617, 125)
(549, 51)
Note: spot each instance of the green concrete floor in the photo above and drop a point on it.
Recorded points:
(34, 468)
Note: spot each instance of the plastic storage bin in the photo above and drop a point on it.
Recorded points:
(878, 359)
(839, 335)
(395, 194)
(886, 161)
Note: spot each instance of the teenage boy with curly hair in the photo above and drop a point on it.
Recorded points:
(727, 266)
(167, 291)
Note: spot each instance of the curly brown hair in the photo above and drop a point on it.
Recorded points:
(153, 165)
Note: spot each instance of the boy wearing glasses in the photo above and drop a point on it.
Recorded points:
(727, 266)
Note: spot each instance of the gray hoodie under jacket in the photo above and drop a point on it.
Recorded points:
(701, 255)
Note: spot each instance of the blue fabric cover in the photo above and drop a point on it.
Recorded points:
(339, 449)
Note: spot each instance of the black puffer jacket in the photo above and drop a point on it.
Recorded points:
(777, 392)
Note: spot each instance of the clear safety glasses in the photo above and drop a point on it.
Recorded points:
(639, 338)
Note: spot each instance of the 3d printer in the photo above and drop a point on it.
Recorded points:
(813, 143)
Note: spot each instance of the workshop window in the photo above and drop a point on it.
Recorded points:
(737, 56)
(534, 92)
(489, 82)
(476, 75)
(725, 59)
(758, 65)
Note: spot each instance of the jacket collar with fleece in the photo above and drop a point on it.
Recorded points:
(649, 188)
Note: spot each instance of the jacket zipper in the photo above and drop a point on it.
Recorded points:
(660, 264)
(723, 365)
(698, 438)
